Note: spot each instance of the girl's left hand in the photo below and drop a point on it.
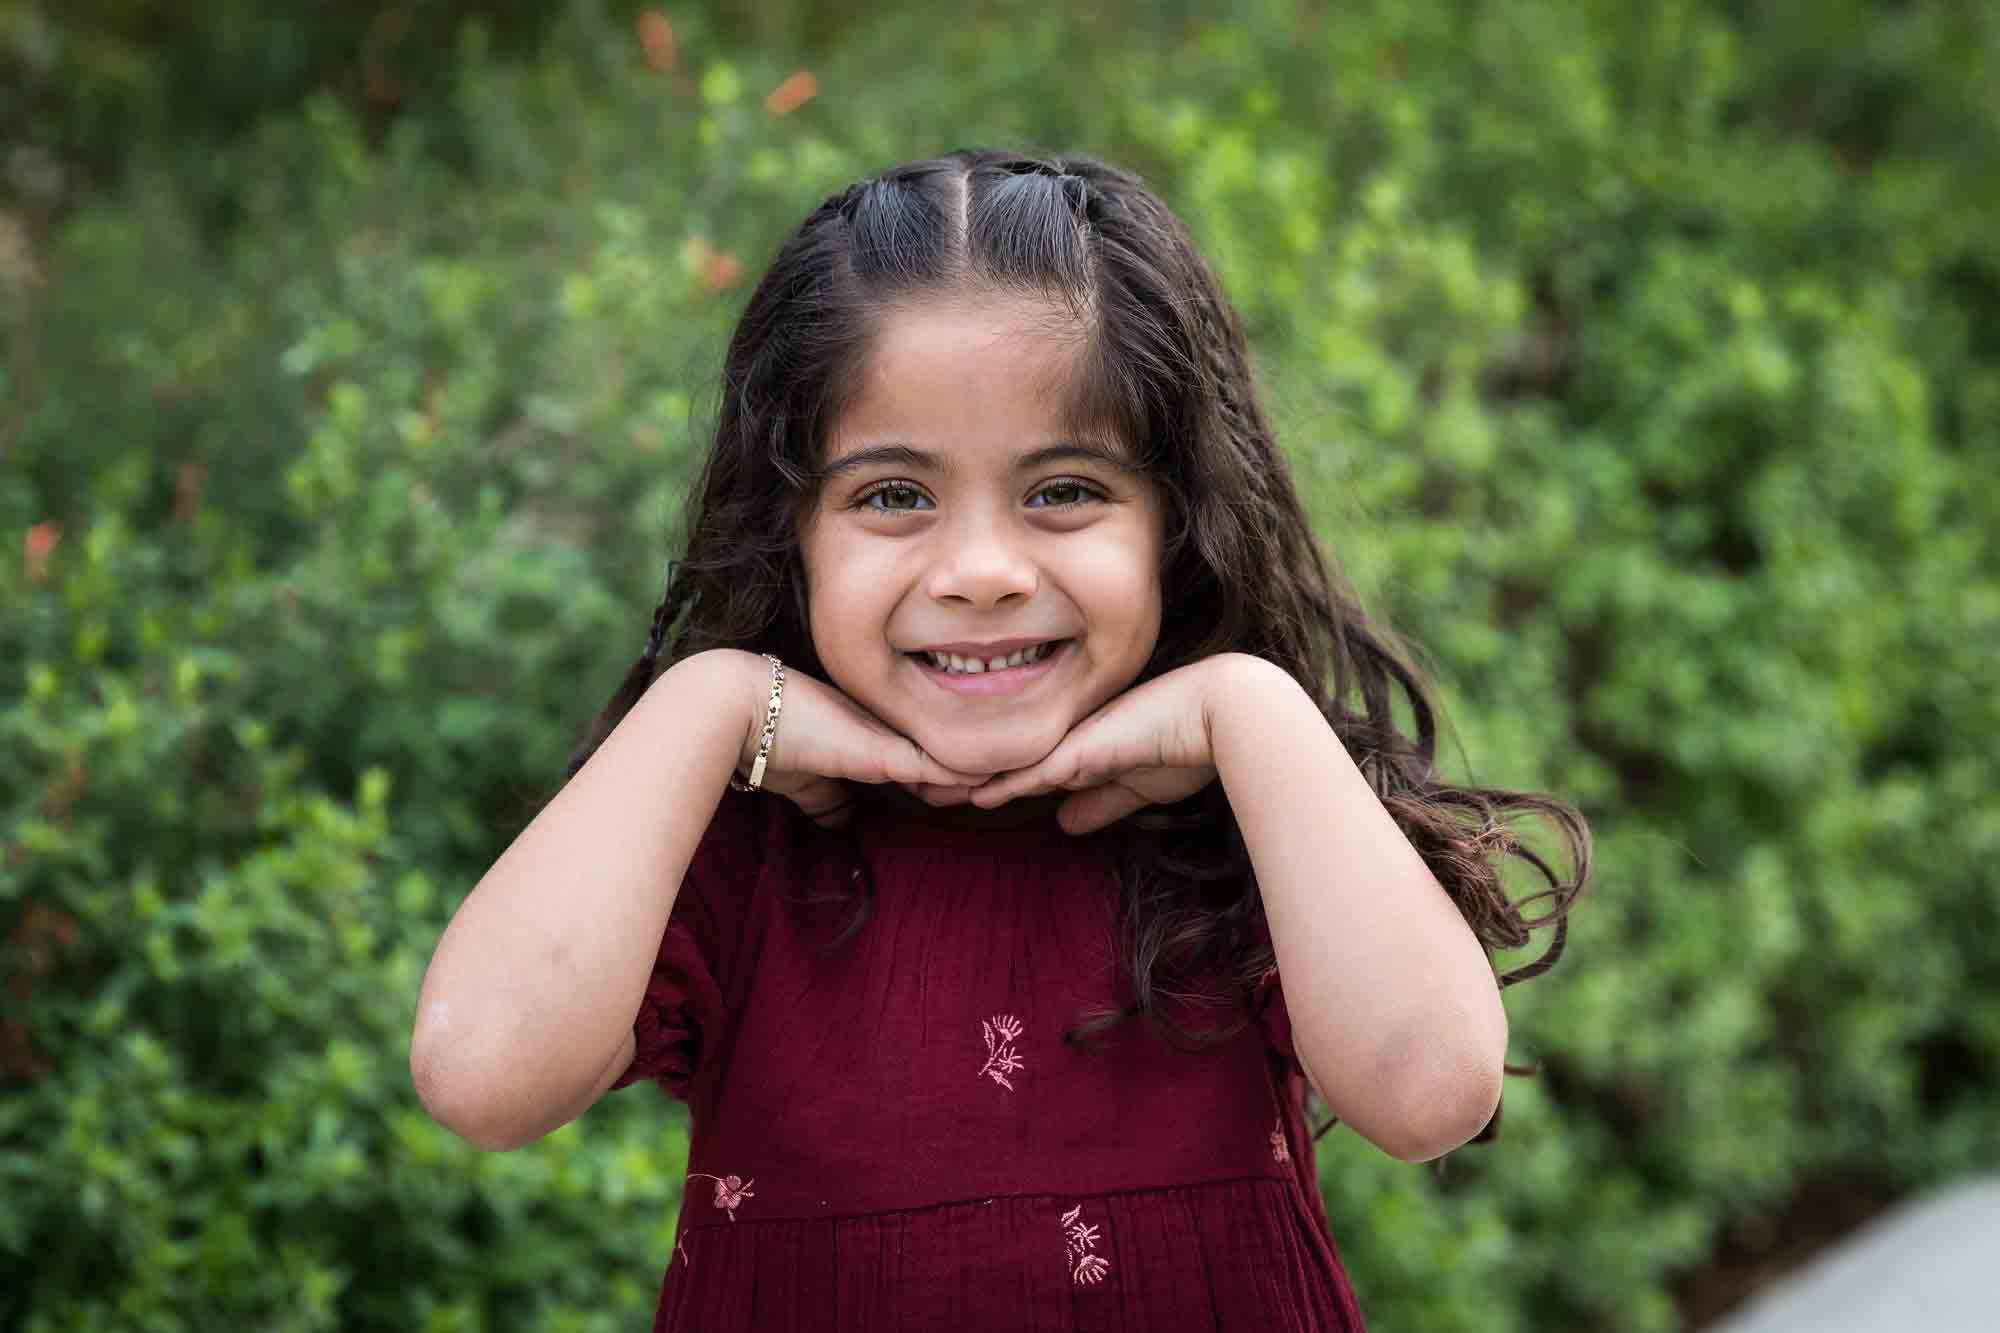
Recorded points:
(1148, 746)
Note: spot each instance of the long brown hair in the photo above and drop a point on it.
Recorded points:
(1166, 367)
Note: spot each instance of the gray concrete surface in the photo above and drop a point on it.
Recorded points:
(1931, 1265)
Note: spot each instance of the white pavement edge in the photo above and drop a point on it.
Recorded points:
(1928, 1265)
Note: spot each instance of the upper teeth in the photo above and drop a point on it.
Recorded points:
(953, 662)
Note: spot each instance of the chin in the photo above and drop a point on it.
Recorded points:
(987, 756)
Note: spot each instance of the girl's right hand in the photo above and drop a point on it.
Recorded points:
(825, 740)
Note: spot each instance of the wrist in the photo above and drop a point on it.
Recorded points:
(753, 678)
(766, 726)
(738, 683)
(1236, 683)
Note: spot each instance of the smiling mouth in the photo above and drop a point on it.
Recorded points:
(954, 665)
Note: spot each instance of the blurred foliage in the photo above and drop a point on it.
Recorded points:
(1641, 362)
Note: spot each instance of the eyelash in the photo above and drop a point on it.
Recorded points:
(861, 501)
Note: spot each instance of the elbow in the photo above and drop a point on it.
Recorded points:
(1450, 1094)
(1447, 1117)
(453, 1099)
(1438, 1094)
(1455, 1092)
(486, 1100)
(466, 1117)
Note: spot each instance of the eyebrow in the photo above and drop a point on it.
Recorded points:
(903, 455)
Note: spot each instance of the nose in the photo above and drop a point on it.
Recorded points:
(982, 565)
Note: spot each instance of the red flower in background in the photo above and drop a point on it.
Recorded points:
(656, 40)
(41, 540)
(717, 269)
(792, 94)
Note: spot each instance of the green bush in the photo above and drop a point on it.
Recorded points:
(1638, 361)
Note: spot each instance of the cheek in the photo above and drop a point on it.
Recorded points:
(1146, 632)
(848, 601)
(1124, 582)
(822, 594)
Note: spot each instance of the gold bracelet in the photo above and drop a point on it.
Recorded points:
(770, 731)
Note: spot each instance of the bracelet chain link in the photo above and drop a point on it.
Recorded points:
(764, 738)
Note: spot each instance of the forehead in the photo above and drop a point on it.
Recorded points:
(963, 377)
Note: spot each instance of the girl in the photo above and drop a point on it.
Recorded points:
(1071, 836)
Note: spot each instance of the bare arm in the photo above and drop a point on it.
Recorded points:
(1395, 1012)
(525, 1016)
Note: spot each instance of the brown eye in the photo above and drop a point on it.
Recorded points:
(1066, 495)
(895, 496)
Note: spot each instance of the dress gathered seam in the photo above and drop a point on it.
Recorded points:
(975, 1201)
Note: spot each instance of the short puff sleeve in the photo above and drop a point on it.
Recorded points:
(683, 1010)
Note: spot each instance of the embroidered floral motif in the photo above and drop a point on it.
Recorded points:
(1001, 1032)
(1280, 1153)
(1086, 1267)
(730, 1191)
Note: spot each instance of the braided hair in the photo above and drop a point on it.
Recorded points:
(1164, 366)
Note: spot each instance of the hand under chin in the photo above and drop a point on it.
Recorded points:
(951, 806)
(930, 794)
(991, 760)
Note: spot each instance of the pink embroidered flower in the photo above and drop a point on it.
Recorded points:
(1001, 1032)
(1087, 1268)
(1280, 1152)
(730, 1191)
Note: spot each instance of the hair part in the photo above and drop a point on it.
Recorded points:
(1162, 362)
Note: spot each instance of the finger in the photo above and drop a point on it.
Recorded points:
(834, 817)
(823, 800)
(1005, 787)
(936, 794)
(1063, 769)
(1098, 807)
(910, 765)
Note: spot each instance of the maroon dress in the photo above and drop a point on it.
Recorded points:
(892, 1133)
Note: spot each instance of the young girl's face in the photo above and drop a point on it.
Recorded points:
(959, 515)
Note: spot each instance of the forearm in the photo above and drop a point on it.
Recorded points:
(1394, 1008)
(532, 988)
